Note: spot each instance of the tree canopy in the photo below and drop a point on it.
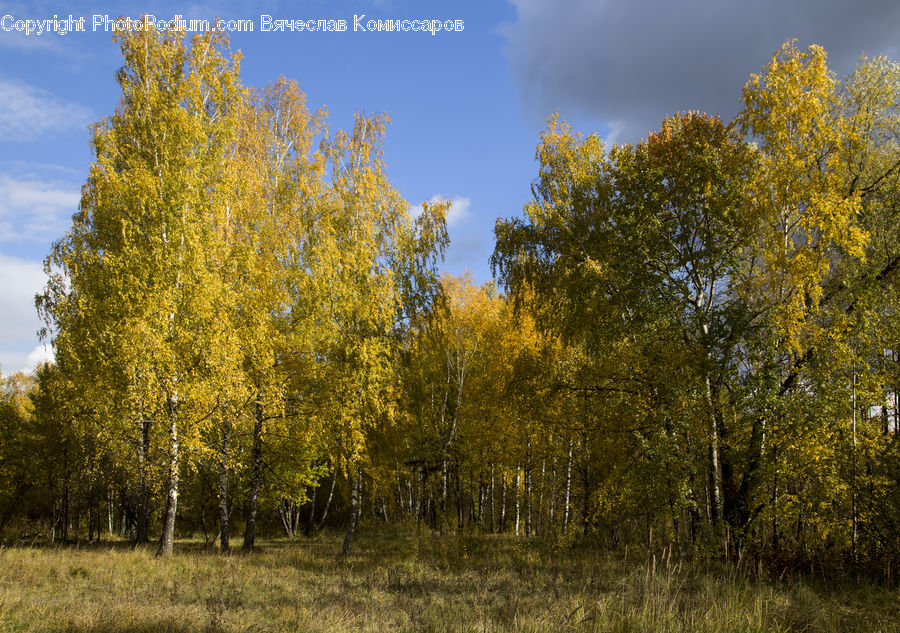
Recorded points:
(692, 340)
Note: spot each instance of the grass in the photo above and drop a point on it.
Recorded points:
(408, 583)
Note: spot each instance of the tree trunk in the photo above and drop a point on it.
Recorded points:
(492, 526)
(327, 501)
(502, 502)
(527, 490)
(715, 484)
(586, 498)
(68, 527)
(256, 467)
(518, 505)
(124, 514)
(224, 531)
(203, 525)
(167, 538)
(420, 499)
(109, 512)
(354, 512)
(284, 515)
(311, 521)
(66, 510)
(288, 510)
(444, 475)
(460, 505)
(482, 502)
(775, 544)
(54, 520)
(143, 506)
(99, 519)
(540, 502)
(568, 487)
(854, 517)
(552, 496)
(411, 502)
(90, 518)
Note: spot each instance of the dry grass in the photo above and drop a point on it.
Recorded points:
(405, 583)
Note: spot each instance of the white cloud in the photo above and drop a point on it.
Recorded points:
(469, 244)
(27, 112)
(34, 210)
(26, 362)
(458, 211)
(38, 356)
(19, 323)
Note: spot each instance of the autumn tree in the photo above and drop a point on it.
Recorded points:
(827, 262)
(378, 270)
(447, 356)
(134, 303)
(18, 440)
(636, 247)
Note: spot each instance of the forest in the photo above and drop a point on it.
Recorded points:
(692, 345)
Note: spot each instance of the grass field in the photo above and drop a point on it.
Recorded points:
(405, 583)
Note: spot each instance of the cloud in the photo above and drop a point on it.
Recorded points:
(26, 362)
(38, 356)
(470, 243)
(19, 322)
(458, 211)
(628, 64)
(34, 210)
(28, 112)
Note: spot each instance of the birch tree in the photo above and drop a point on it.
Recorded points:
(135, 302)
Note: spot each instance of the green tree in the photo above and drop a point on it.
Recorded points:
(638, 247)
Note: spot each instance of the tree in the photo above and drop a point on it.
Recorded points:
(828, 259)
(740, 280)
(278, 314)
(18, 440)
(638, 247)
(134, 305)
(448, 350)
(377, 270)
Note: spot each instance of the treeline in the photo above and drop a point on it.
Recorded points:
(697, 347)
(733, 291)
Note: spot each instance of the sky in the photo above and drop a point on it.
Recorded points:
(467, 106)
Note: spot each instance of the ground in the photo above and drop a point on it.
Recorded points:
(405, 582)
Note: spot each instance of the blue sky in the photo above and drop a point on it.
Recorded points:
(466, 107)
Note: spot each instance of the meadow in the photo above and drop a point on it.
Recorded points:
(417, 583)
